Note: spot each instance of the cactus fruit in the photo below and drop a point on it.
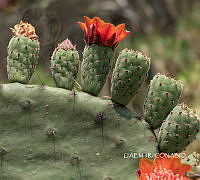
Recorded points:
(67, 144)
(101, 38)
(64, 65)
(96, 64)
(128, 75)
(162, 97)
(23, 52)
(179, 129)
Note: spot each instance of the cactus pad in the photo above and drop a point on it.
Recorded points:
(48, 135)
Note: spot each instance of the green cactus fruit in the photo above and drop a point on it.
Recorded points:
(64, 65)
(97, 61)
(163, 95)
(23, 52)
(129, 73)
(179, 129)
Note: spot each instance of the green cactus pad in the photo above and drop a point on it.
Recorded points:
(129, 74)
(162, 97)
(22, 59)
(97, 61)
(64, 67)
(179, 129)
(49, 136)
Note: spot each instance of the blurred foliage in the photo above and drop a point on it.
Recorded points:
(42, 77)
(176, 55)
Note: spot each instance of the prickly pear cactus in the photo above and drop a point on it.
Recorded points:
(162, 97)
(23, 52)
(179, 129)
(128, 75)
(53, 133)
(96, 64)
(48, 135)
(64, 65)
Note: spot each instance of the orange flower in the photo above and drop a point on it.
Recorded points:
(163, 168)
(101, 33)
(24, 29)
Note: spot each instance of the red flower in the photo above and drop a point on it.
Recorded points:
(163, 168)
(101, 33)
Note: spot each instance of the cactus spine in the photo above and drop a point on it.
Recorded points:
(129, 73)
(64, 65)
(23, 52)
